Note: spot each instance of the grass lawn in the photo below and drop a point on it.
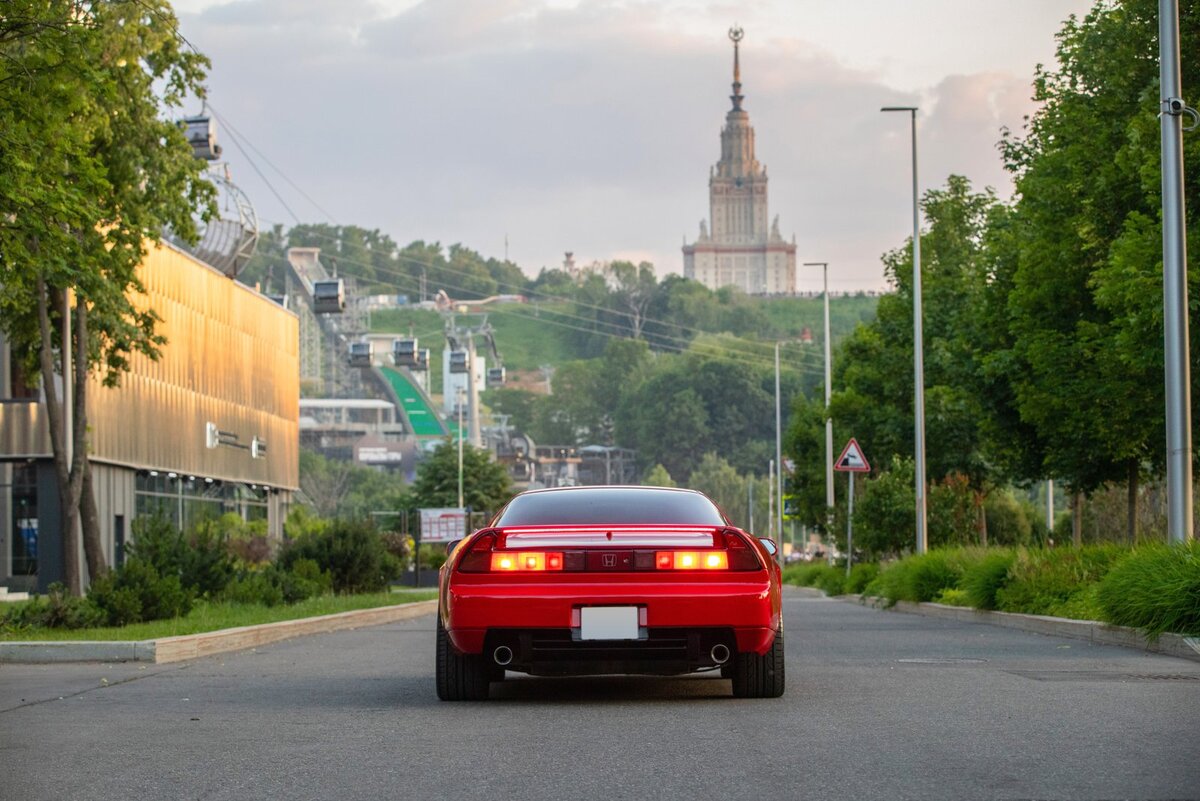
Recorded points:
(207, 616)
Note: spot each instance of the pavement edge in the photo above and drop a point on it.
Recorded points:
(193, 646)
(1093, 631)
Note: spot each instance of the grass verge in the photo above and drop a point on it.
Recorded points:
(206, 616)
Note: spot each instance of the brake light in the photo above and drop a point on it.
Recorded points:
(741, 555)
(691, 560)
(478, 558)
(512, 561)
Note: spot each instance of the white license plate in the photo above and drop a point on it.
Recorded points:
(608, 623)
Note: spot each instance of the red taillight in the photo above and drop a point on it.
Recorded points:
(741, 555)
(478, 558)
(536, 561)
(691, 560)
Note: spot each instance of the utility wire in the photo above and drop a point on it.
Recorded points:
(749, 350)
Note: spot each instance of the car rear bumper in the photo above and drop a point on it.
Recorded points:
(743, 614)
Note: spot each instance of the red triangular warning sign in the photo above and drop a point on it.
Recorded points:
(852, 459)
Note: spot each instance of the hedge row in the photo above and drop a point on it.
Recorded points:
(167, 571)
(1155, 588)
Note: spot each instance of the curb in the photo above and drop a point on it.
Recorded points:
(194, 646)
(1092, 631)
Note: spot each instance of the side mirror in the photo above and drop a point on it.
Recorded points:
(451, 545)
(770, 545)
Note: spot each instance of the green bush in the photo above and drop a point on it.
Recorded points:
(201, 559)
(57, 609)
(353, 553)
(982, 578)
(1156, 588)
(952, 596)
(803, 574)
(831, 580)
(1008, 521)
(274, 585)
(920, 578)
(255, 587)
(861, 575)
(1045, 581)
(136, 592)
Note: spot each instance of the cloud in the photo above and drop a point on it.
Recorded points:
(588, 128)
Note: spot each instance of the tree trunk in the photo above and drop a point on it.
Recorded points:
(1131, 520)
(981, 519)
(69, 479)
(89, 520)
(89, 515)
(1077, 520)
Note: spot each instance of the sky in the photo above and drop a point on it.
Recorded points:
(590, 125)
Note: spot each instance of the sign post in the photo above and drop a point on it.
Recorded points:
(851, 461)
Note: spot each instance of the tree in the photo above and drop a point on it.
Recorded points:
(1084, 300)
(91, 171)
(658, 476)
(486, 485)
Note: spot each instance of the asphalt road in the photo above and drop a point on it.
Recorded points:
(879, 705)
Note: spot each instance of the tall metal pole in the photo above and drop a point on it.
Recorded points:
(1050, 506)
(778, 459)
(459, 398)
(829, 497)
(771, 499)
(918, 341)
(1175, 300)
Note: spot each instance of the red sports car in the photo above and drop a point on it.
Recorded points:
(589, 580)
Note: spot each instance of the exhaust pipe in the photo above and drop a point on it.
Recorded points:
(720, 653)
(503, 655)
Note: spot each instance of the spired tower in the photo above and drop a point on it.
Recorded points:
(741, 251)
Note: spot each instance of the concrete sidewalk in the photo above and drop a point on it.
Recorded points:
(192, 646)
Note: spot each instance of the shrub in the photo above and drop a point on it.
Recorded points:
(255, 587)
(952, 596)
(274, 585)
(1156, 588)
(1043, 582)
(920, 578)
(984, 577)
(201, 560)
(831, 580)
(805, 574)
(57, 609)
(351, 551)
(136, 592)
(1008, 522)
(861, 575)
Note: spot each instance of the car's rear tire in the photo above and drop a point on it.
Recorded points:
(460, 677)
(756, 676)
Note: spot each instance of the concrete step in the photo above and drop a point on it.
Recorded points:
(13, 597)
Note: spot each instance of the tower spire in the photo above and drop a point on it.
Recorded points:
(736, 34)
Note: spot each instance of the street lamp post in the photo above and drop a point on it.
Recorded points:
(778, 488)
(918, 338)
(459, 398)
(1175, 293)
(829, 499)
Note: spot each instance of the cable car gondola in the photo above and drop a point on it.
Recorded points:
(458, 361)
(495, 377)
(360, 354)
(329, 297)
(201, 133)
(422, 360)
(404, 352)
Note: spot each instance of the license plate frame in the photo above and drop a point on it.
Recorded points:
(608, 623)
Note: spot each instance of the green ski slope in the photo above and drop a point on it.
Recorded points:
(420, 412)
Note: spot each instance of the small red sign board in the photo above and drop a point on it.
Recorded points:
(852, 459)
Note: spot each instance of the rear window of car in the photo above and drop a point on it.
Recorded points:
(610, 507)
